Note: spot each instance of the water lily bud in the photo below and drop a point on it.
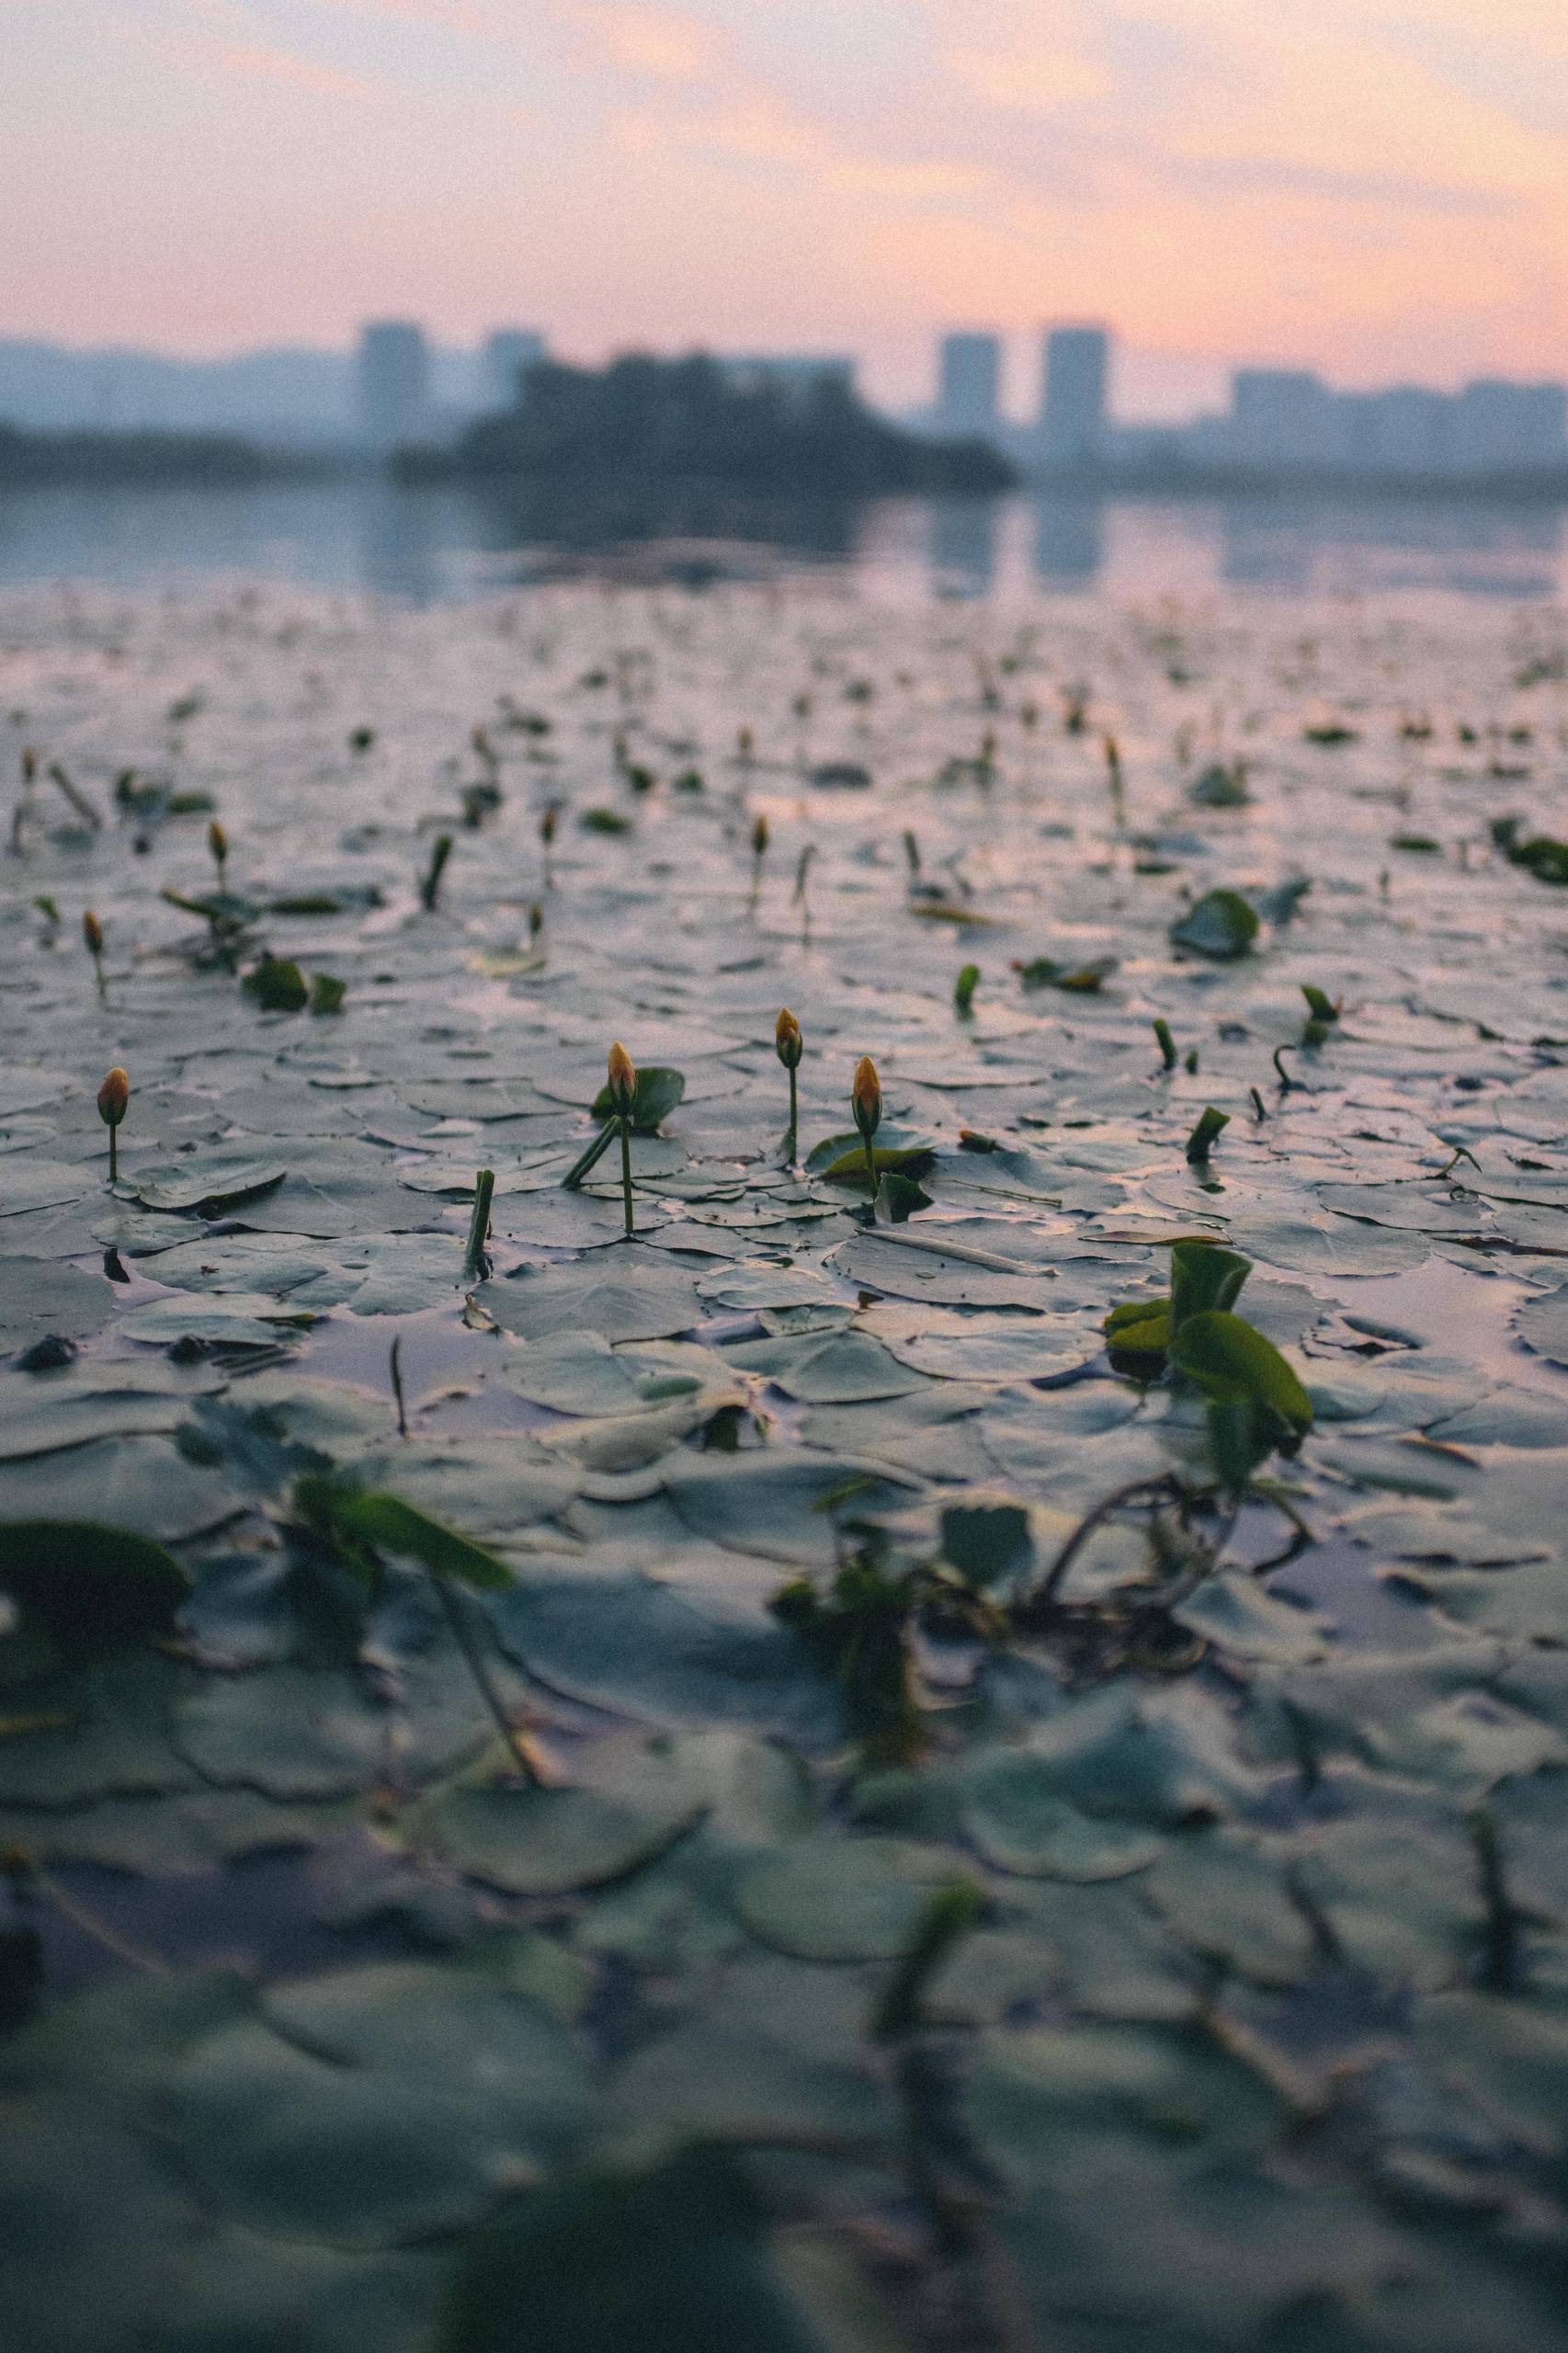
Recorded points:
(787, 1042)
(867, 1096)
(113, 1096)
(92, 933)
(622, 1080)
(759, 837)
(547, 827)
(218, 842)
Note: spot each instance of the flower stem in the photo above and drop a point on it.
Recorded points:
(113, 1157)
(791, 1142)
(626, 1167)
(871, 1169)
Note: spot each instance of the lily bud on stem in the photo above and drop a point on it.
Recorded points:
(113, 1096)
(789, 1045)
(866, 1099)
(92, 933)
(623, 1092)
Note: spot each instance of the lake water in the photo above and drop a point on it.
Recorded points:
(510, 1682)
(425, 546)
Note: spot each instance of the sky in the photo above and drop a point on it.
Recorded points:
(1375, 188)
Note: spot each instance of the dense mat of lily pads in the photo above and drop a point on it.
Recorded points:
(757, 1785)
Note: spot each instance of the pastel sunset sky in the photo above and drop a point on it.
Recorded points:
(1376, 187)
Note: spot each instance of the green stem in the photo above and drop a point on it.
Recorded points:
(626, 1167)
(871, 1169)
(791, 1142)
(474, 1658)
(591, 1158)
(113, 1156)
(479, 1225)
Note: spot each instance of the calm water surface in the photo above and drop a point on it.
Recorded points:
(429, 545)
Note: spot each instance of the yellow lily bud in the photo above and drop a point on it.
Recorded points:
(622, 1079)
(867, 1096)
(758, 835)
(113, 1096)
(92, 933)
(787, 1042)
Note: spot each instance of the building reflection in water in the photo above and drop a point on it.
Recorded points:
(1318, 546)
(963, 545)
(1069, 541)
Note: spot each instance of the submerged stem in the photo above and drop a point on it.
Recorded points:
(474, 1658)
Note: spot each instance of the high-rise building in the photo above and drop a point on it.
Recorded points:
(1509, 428)
(969, 383)
(394, 382)
(506, 353)
(1288, 418)
(1073, 407)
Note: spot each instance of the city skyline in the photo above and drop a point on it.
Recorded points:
(1375, 196)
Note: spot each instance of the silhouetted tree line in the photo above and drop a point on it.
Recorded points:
(691, 420)
(136, 460)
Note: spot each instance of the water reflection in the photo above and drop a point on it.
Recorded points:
(963, 545)
(1464, 548)
(421, 545)
(1069, 541)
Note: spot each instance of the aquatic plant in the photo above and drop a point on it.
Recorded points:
(475, 1262)
(440, 850)
(1204, 1135)
(789, 1045)
(1115, 781)
(622, 1082)
(963, 991)
(93, 935)
(865, 1100)
(218, 842)
(759, 852)
(114, 1095)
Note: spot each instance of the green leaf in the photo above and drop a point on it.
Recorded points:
(898, 1198)
(1222, 925)
(676, 2260)
(987, 1543)
(893, 1160)
(1204, 1135)
(1078, 980)
(1233, 1363)
(91, 1586)
(1204, 1276)
(395, 1526)
(1138, 1333)
(658, 1091)
(278, 985)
